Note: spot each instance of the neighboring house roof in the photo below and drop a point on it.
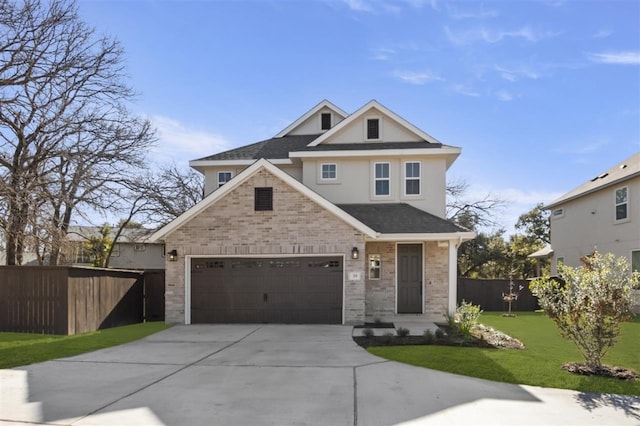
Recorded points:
(128, 235)
(621, 172)
(400, 218)
(544, 252)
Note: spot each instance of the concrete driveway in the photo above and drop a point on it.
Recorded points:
(277, 375)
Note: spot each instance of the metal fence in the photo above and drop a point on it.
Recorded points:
(489, 294)
(70, 300)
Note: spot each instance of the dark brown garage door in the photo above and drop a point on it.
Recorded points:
(277, 290)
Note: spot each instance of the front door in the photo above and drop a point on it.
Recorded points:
(409, 278)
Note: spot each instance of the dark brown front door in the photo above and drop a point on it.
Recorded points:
(409, 278)
(276, 290)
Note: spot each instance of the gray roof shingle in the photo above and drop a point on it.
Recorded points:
(400, 218)
(279, 148)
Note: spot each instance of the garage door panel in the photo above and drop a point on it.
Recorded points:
(280, 290)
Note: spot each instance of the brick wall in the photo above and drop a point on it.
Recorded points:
(296, 225)
(436, 261)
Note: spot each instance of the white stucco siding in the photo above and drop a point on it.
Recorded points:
(390, 131)
(355, 177)
(311, 126)
(588, 223)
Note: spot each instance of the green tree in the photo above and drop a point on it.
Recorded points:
(536, 224)
(100, 246)
(590, 303)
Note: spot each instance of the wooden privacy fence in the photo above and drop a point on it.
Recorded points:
(70, 300)
(488, 294)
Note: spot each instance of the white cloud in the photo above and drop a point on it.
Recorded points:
(504, 95)
(181, 144)
(418, 78)
(628, 57)
(465, 90)
(382, 54)
(604, 33)
(514, 74)
(457, 13)
(359, 5)
(489, 35)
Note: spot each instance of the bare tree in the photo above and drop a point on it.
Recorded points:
(66, 136)
(471, 214)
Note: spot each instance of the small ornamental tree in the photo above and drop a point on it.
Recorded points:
(589, 303)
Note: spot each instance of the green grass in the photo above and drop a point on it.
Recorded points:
(18, 349)
(539, 364)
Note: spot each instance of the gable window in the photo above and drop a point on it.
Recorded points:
(325, 121)
(412, 178)
(263, 199)
(373, 128)
(223, 177)
(622, 203)
(382, 179)
(329, 171)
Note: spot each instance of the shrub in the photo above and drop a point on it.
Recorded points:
(590, 303)
(429, 338)
(367, 332)
(402, 332)
(465, 318)
(439, 333)
(387, 337)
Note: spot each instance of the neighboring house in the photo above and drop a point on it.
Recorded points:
(602, 214)
(132, 250)
(337, 219)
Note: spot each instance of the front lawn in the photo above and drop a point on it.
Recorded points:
(538, 364)
(23, 348)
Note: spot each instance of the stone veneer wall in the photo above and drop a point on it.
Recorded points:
(380, 294)
(297, 225)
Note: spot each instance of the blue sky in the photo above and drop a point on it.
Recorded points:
(540, 95)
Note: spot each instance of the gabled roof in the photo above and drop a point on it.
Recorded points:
(404, 219)
(274, 148)
(373, 104)
(243, 177)
(619, 173)
(324, 104)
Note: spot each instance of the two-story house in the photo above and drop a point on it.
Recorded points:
(337, 219)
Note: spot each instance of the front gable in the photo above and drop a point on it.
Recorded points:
(313, 123)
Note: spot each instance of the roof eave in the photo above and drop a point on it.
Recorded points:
(563, 200)
(448, 236)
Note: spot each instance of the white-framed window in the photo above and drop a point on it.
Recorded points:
(557, 213)
(635, 260)
(328, 171)
(224, 177)
(325, 121)
(374, 266)
(412, 178)
(372, 128)
(382, 179)
(115, 252)
(622, 203)
(140, 247)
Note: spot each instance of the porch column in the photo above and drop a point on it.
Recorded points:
(453, 275)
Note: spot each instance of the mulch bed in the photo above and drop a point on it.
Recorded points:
(482, 337)
(603, 371)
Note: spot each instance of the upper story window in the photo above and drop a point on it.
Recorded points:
(329, 171)
(263, 200)
(412, 178)
(557, 213)
(622, 203)
(223, 177)
(139, 247)
(382, 179)
(373, 128)
(325, 121)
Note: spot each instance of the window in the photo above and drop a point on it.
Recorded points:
(635, 260)
(329, 171)
(263, 199)
(139, 247)
(374, 266)
(223, 177)
(325, 121)
(621, 204)
(115, 252)
(412, 178)
(558, 213)
(381, 179)
(373, 128)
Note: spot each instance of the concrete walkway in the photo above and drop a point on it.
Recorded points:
(277, 375)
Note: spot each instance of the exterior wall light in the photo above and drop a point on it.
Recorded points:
(355, 253)
(173, 255)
